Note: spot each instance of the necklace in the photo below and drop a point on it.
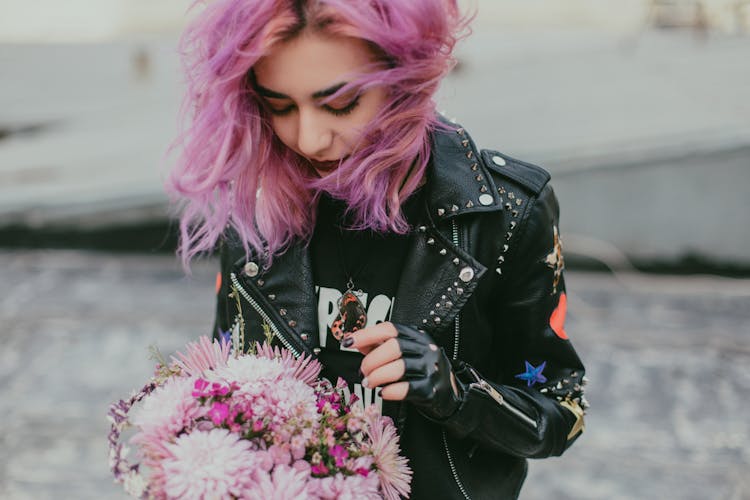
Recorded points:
(352, 313)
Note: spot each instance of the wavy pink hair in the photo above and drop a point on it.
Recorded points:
(232, 170)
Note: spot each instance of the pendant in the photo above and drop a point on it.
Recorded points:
(352, 314)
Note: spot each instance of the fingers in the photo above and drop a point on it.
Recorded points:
(385, 374)
(395, 392)
(367, 339)
(380, 356)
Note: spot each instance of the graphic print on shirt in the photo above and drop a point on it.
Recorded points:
(346, 361)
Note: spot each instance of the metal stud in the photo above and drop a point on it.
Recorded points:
(513, 224)
(272, 296)
(486, 199)
(261, 282)
(470, 155)
(422, 229)
(424, 321)
(483, 189)
(292, 323)
(440, 212)
(432, 313)
(508, 235)
(431, 241)
(454, 208)
(512, 195)
(519, 202)
(251, 269)
(282, 312)
(460, 131)
(449, 304)
(466, 274)
(465, 143)
(501, 190)
(450, 289)
(474, 167)
(479, 178)
(316, 350)
(455, 283)
(499, 271)
(304, 336)
(507, 206)
(437, 320)
(456, 261)
(501, 259)
(443, 251)
(505, 248)
(515, 212)
(498, 160)
(469, 204)
(443, 297)
(437, 306)
(460, 291)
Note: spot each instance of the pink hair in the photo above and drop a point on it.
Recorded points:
(233, 171)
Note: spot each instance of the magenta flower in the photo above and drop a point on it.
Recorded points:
(218, 413)
(339, 454)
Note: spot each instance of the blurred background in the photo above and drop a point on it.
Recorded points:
(640, 109)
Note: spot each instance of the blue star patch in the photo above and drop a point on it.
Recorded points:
(532, 375)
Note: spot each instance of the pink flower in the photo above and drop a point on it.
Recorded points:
(284, 483)
(319, 469)
(394, 473)
(339, 454)
(280, 455)
(199, 388)
(218, 413)
(202, 356)
(344, 487)
(213, 464)
(165, 412)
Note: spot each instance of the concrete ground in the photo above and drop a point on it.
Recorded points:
(667, 357)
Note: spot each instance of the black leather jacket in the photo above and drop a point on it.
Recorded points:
(484, 278)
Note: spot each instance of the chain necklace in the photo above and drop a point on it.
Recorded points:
(352, 313)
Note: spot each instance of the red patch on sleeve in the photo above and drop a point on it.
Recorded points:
(218, 283)
(557, 320)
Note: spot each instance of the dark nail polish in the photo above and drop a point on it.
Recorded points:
(347, 342)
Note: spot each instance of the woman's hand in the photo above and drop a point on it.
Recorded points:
(408, 365)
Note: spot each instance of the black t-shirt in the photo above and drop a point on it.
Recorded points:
(376, 261)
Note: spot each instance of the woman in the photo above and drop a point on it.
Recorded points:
(365, 230)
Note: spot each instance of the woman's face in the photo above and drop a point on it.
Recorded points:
(297, 75)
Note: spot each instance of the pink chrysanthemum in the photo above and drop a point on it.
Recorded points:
(395, 474)
(166, 411)
(304, 368)
(202, 356)
(213, 464)
(343, 487)
(284, 483)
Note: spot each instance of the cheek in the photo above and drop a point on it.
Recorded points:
(285, 131)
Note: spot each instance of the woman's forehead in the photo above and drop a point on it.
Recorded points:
(311, 63)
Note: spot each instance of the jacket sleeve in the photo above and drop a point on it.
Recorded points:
(532, 406)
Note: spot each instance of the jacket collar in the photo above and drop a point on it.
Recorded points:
(438, 276)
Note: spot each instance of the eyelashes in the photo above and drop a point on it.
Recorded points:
(347, 109)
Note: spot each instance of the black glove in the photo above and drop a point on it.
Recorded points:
(428, 371)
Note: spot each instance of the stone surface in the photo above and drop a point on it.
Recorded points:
(667, 357)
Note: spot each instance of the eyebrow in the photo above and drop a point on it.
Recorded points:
(316, 95)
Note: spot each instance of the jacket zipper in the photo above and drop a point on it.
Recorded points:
(494, 394)
(456, 334)
(275, 329)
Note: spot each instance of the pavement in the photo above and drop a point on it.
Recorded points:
(667, 357)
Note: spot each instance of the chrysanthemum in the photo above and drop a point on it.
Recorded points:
(341, 487)
(248, 369)
(284, 483)
(394, 473)
(213, 464)
(202, 356)
(166, 411)
(304, 368)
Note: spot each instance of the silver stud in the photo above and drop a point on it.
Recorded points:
(449, 289)
(443, 251)
(432, 313)
(515, 212)
(424, 321)
(486, 199)
(422, 229)
(499, 271)
(443, 297)
(474, 167)
(501, 259)
(498, 160)
(483, 189)
(282, 312)
(507, 206)
(454, 208)
(316, 350)
(272, 296)
(460, 131)
(437, 305)
(501, 190)
(261, 282)
(455, 283)
(465, 143)
(466, 274)
(512, 195)
(470, 155)
(441, 212)
(431, 241)
(505, 248)
(251, 269)
(304, 336)
(460, 291)
(469, 204)
(519, 202)
(456, 261)
(292, 323)
(437, 320)
(543, 391)
(449, 304)
(479, 178)
(513, 224)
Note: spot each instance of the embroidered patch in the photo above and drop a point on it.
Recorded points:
(557, 320)
(533, 374)
(555, 260)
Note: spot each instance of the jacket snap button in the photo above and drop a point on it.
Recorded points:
(251, 269)
(304, 336)
(486, 199)
(498, 160)
(466, 274)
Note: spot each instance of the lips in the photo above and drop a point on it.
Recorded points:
(326, 166)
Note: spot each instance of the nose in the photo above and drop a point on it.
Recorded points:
(314, 137)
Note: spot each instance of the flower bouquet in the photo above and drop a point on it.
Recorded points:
(213, 423)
